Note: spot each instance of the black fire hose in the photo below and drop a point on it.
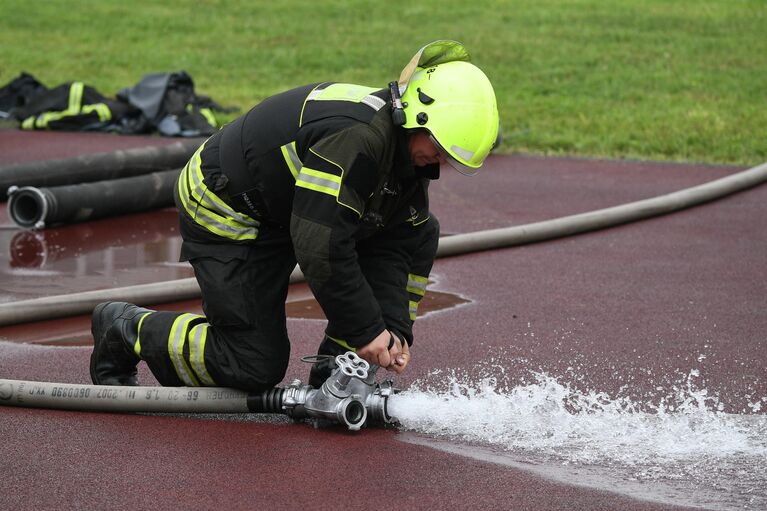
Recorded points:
(37, 208)
(97, 167)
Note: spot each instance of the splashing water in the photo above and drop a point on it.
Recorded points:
(684, 438)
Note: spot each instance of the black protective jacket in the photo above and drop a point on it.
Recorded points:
(325, 162)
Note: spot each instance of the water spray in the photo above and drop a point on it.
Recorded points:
(351, 397)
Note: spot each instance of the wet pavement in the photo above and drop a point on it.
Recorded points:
(630, 309)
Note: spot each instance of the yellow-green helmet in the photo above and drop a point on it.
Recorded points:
(455, 102)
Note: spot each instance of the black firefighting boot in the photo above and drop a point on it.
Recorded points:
(115, 331)
(323, 367)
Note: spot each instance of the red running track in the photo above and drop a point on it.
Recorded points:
(635, 304)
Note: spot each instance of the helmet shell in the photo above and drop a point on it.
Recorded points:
(456, 103)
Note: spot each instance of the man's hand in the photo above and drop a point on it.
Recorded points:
(378, 352)
(399, 361)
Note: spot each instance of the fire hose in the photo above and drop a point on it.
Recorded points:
(350, 397)
(97, 167)
(32, 207)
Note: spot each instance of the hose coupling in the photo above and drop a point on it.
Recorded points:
(351, 396)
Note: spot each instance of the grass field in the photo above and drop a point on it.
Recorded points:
(670, 80)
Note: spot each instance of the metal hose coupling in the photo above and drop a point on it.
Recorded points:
(30, 207)
(351, 396)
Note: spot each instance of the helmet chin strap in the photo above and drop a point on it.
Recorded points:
(430, 171)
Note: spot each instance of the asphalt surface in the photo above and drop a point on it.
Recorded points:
(637, 305)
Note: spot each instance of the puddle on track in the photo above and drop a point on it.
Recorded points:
(134, 249)
(433, 301)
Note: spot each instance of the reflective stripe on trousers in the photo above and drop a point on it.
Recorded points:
(190, 369)
(416, 287)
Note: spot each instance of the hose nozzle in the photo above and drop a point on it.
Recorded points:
(351, 396)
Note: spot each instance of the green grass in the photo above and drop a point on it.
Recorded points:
(670, 80)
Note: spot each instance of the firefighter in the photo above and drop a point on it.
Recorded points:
(332, 176)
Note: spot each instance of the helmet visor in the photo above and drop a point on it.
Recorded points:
(457, 165)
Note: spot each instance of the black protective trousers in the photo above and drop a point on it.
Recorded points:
(242, 340)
